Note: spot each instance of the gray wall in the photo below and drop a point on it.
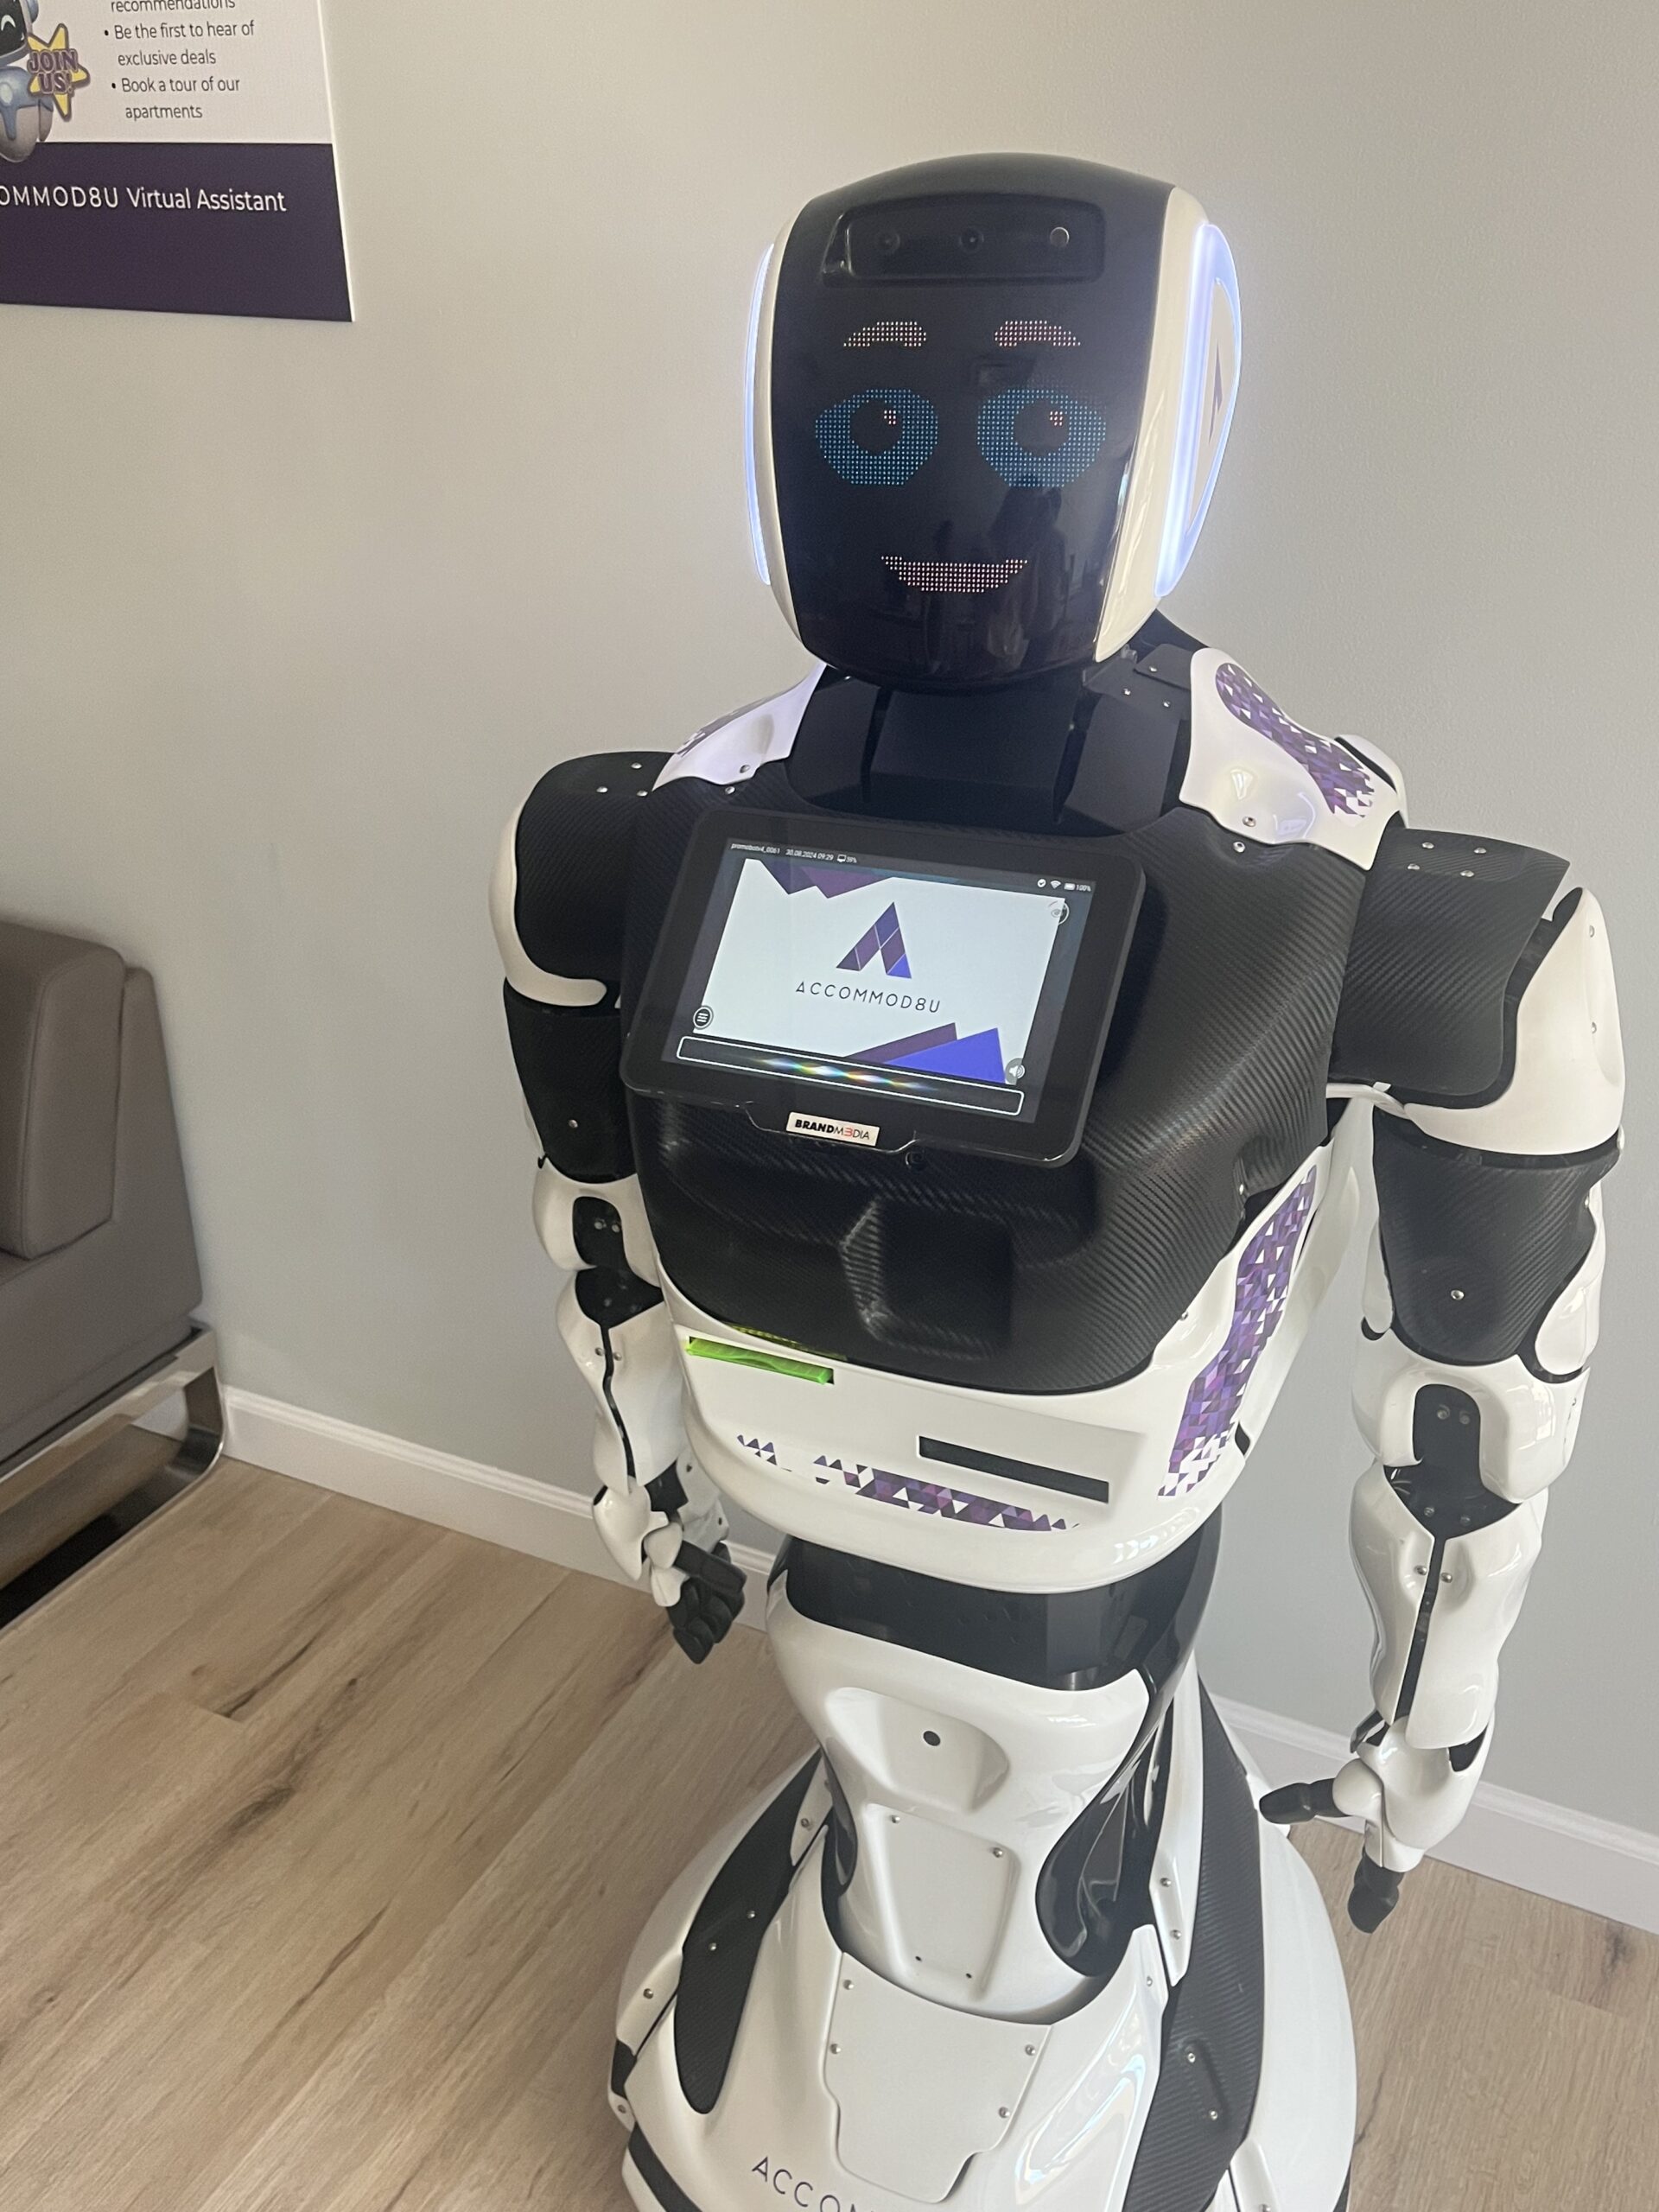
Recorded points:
(294, 616)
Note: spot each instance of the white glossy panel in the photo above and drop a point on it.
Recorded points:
(1567, 1090)
(729, 751)
(526, 978)
(1264, 791)
(976, 2069)
(1483, 1581)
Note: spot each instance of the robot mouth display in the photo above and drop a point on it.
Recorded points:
(951, 576)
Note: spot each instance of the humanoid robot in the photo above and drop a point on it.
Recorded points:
(954, 1078)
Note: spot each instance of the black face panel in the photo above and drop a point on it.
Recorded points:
(14, 29)
(959, 364)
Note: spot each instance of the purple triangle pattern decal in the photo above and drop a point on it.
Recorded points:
(913, 1495)
(1258, 1295)
(1346, 785)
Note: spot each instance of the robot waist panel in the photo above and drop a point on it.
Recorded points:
(1014, 1491)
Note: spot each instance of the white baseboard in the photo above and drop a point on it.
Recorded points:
(513, 1510)
(1533, 1845)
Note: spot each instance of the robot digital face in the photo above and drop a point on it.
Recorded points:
(14, 29)
(957, 381)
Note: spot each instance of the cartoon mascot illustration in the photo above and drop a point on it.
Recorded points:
(37, 79)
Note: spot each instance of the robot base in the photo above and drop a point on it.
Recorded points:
(759, 2064)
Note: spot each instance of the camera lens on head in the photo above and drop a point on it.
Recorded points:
(1060, 237)
(972, 239)
(889, 241)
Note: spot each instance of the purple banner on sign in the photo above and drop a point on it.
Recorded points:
(189, 229)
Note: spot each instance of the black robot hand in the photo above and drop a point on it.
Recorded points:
(1299, 1802)
(710, 1601)
(1377, 1889)
(1376, 1893)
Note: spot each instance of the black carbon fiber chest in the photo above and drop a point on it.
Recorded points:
(998, 1275)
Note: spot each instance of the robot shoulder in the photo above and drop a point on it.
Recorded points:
(1254, 770)
(1482, 998)
(729, 751)
(559, 892)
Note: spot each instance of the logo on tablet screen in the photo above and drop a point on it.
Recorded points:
(819, 1125)
(885, 937)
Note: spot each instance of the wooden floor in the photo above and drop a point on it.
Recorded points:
(323, 1836)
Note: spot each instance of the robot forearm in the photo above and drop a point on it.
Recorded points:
(658, 1516)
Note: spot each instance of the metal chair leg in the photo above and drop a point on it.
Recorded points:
(204, 1439)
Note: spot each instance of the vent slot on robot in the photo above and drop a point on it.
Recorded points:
(1016, 1471)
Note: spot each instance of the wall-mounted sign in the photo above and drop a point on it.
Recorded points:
(171, 154)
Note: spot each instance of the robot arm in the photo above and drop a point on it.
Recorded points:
(1481, 1300)
(555, 902)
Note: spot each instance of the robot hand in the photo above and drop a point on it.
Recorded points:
(1408, 1799)
(665, 1532)
(648, 1530)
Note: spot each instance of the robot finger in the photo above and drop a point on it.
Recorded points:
(1301, 1800)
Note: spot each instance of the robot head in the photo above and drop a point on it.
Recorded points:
(989, 398)
(16, 16)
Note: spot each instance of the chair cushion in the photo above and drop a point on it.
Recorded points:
(61, 1000)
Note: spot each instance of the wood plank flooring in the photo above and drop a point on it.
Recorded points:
(324, 1834)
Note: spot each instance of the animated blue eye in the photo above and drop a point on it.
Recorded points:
(878, 436)
(1038, 441)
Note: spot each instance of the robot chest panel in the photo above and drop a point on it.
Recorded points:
(1010, 1277)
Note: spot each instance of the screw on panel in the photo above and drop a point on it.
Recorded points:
(1003, 2112)
(1031, 2050)
(1456, 1293)
(650, 1992)
(806, 1823)
(997, 1852)
(1237, 847)
(1165, 1882)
